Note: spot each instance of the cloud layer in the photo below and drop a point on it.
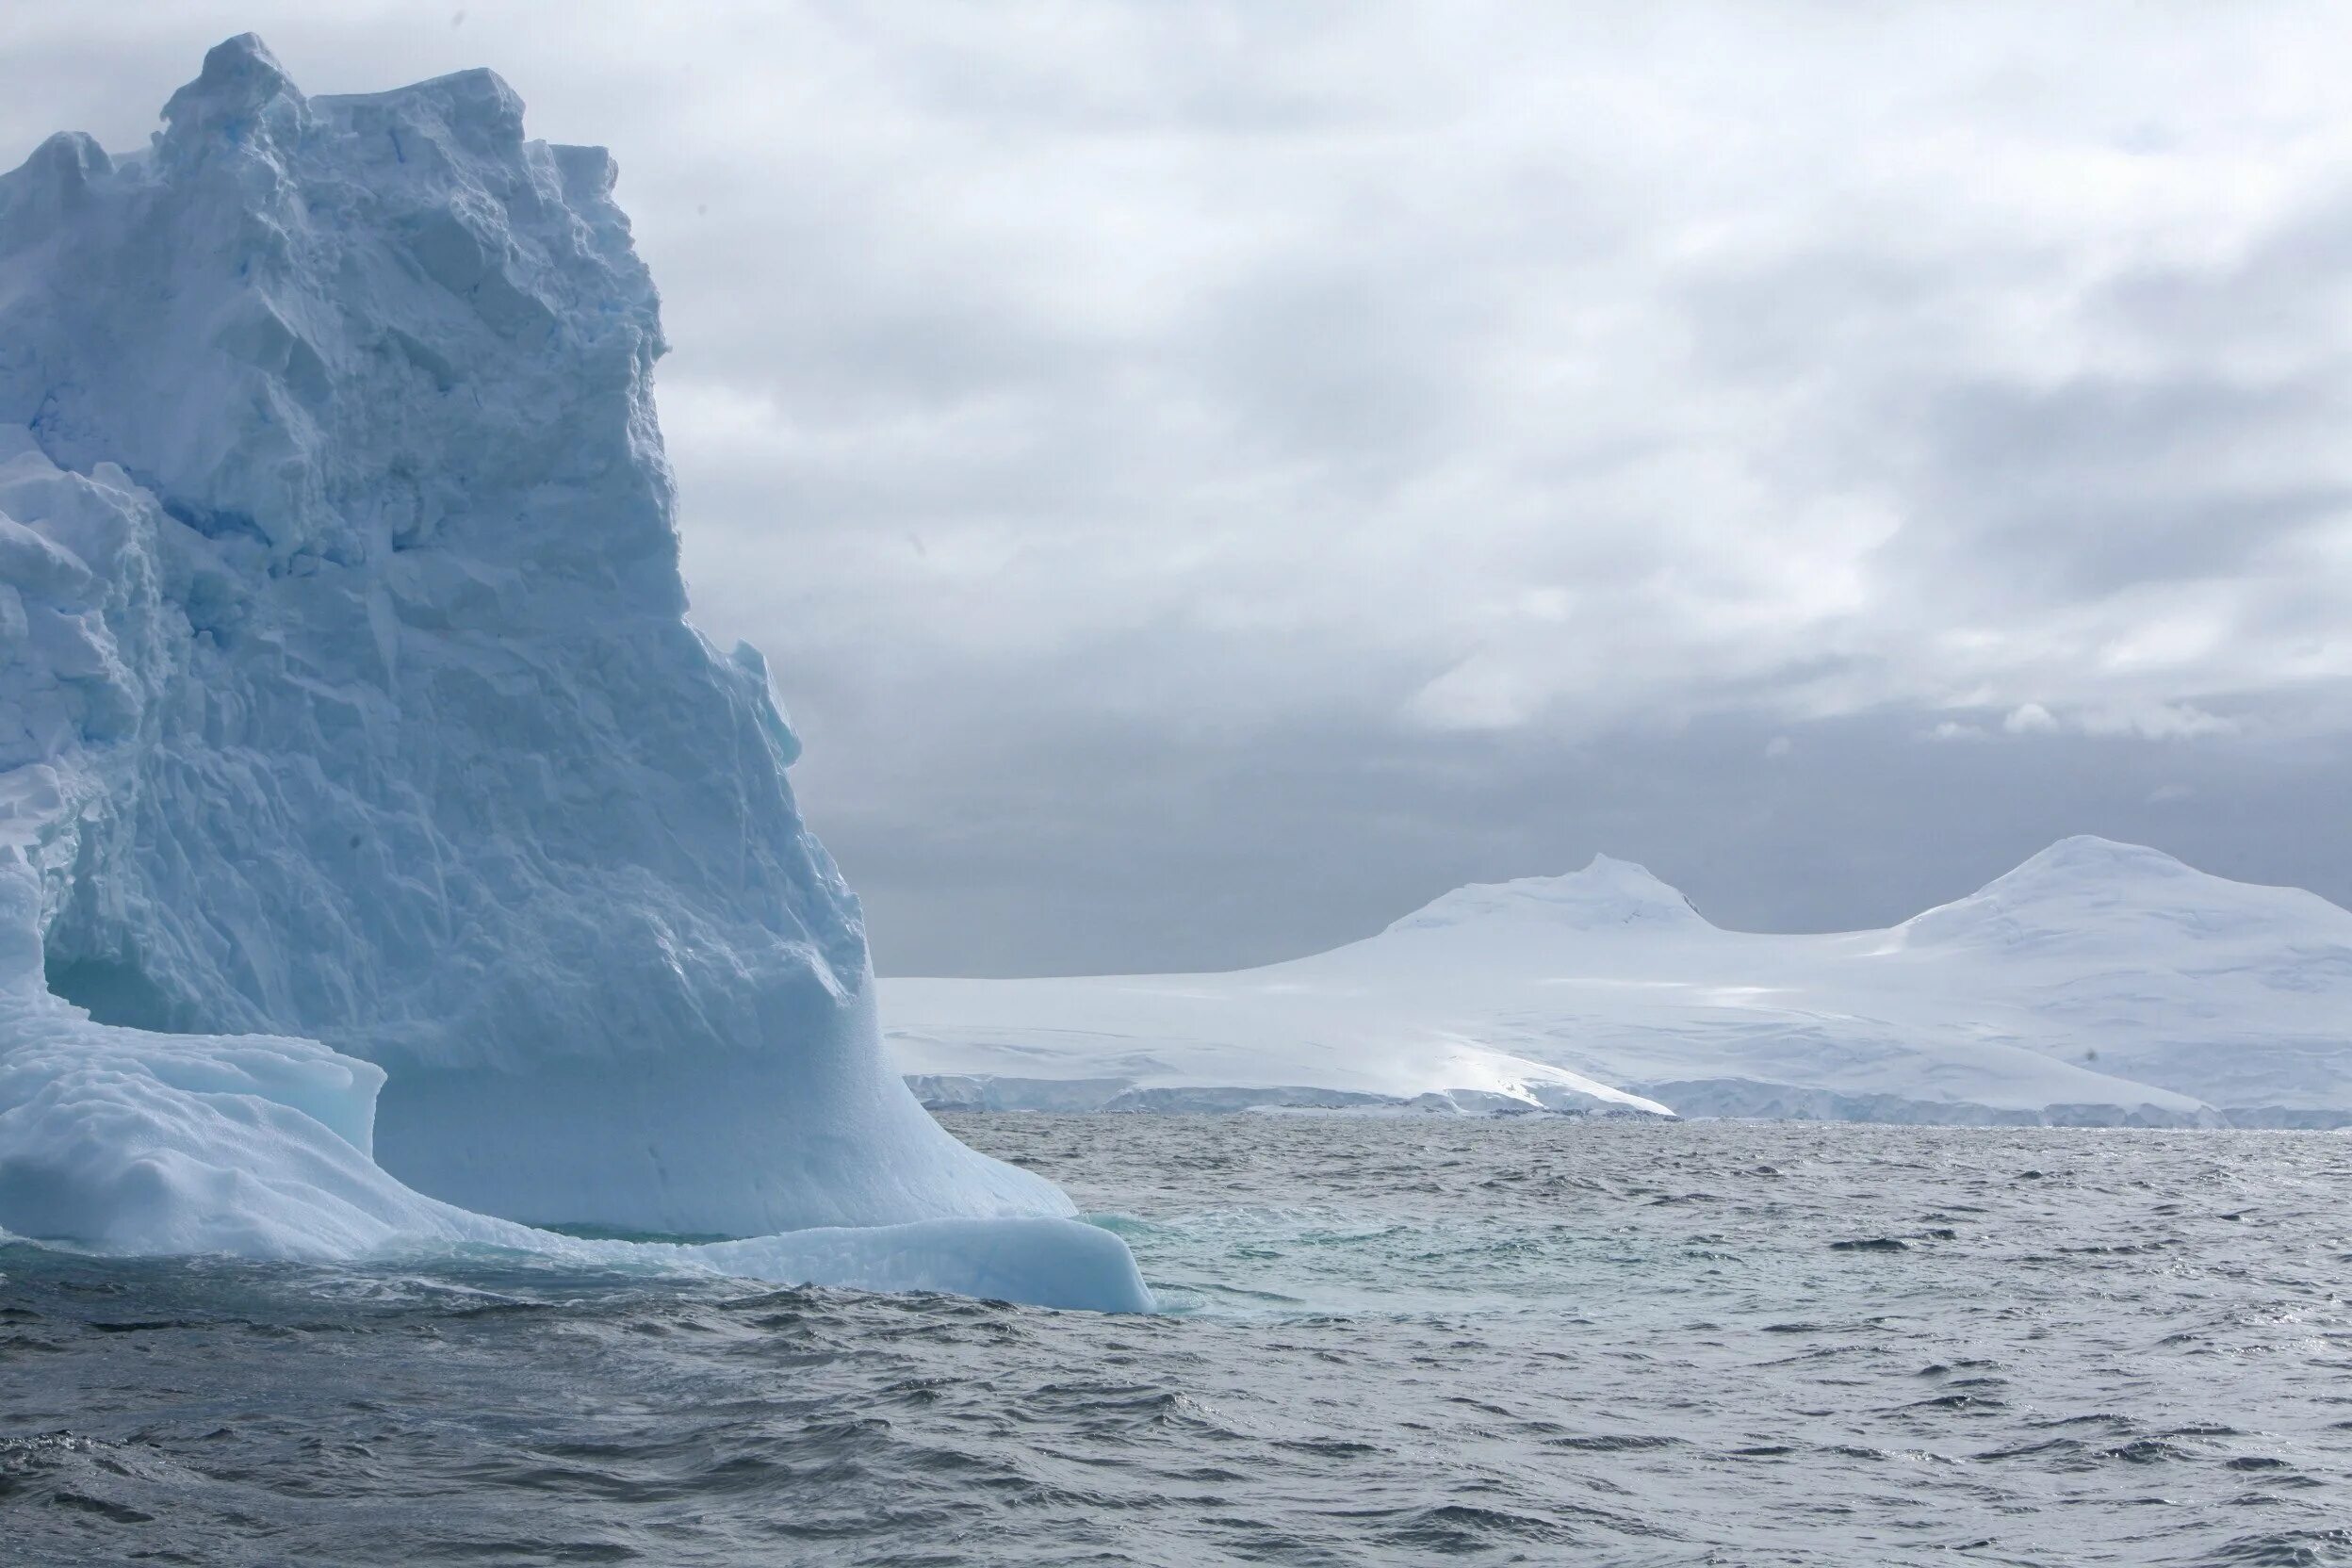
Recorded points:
(1209, 475)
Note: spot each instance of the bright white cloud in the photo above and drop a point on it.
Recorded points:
(2157, 722)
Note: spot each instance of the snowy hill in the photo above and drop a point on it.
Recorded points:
(2096, 983)
(1605, 896)
(378, 843)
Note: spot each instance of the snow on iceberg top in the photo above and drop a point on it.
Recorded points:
(1606, 895)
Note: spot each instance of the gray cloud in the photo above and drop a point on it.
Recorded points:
(1208, 858)
(1209, 477)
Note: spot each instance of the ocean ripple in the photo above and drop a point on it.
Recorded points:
(1388, 1341)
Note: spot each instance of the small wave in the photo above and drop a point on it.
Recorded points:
(1496, 1347)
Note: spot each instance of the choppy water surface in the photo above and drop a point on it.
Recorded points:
(1390, 1341)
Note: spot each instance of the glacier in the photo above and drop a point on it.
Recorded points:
(2097, 984)
(384, 861)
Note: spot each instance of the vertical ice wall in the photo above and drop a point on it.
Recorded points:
(345, 687)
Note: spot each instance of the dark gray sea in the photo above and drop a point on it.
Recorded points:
(1385, 1342)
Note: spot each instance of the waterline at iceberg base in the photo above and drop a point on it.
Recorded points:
(384, 862)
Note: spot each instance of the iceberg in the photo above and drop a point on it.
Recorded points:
(384, 858)
(2097, 984)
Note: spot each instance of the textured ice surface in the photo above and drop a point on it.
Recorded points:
(363, 790)
(2096, 983)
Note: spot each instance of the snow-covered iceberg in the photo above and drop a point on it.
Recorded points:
(380, 849)
(2098, 983)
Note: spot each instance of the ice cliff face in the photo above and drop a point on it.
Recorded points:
(345, 697)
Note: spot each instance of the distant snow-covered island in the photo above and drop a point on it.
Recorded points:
(2097, 984)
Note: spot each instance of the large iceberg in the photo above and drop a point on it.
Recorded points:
(2098, 983)
(380, 849)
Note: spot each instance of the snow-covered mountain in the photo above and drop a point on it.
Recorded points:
(363, 790)
(2096, 983)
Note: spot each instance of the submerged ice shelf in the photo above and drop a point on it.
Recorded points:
(2098, 983)
(380, 852)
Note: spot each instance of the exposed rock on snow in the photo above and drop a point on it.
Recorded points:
(363, 790)
(2097, 984)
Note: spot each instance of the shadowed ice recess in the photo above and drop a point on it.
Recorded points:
(384, 862)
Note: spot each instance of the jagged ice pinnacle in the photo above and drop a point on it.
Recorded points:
(363, 788)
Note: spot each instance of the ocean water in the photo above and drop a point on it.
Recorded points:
(1386, 1341)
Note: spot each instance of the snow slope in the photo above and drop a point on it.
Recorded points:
(377, 844)
(2096, 983)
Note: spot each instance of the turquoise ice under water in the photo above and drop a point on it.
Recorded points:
(1388, 1341)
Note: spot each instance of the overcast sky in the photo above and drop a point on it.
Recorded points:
(1211, 477)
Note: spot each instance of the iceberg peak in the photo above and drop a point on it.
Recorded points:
(375, 834)
(240, 89)
(58, 177)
